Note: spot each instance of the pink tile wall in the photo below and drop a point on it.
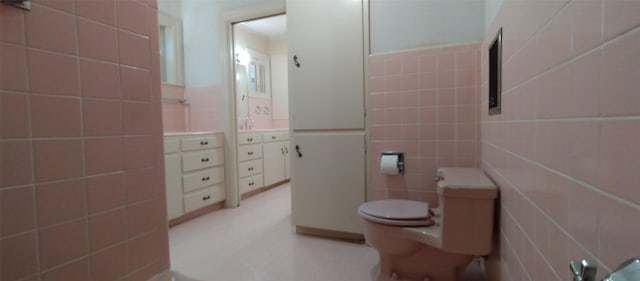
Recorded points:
(565, 149)
(424, 103)
(206, 108)
(81, 166)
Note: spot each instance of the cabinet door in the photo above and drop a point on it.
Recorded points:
(326, 85)
(328, 180)
(173, 177)
(273, 156)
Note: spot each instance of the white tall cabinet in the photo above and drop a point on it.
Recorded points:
(326, 89)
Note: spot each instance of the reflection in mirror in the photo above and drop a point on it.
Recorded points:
(170, 37)
(242, 98)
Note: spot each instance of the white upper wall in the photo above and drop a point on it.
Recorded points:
(171, 7)
(491, 11)
(406, 24)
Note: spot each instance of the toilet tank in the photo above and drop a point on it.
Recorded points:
(466, 198)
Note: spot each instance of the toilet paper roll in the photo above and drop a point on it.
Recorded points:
(389, 165)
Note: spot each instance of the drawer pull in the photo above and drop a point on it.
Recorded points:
(204, 160)
(205, 178)
(251, 183)
(250, 169)
(250, 139)
(204, 143)
(206, 197)
(250, 153)
(273, 137)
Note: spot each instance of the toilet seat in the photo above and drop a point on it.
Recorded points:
(397, 212)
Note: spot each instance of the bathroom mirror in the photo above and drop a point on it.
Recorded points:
(242, 96)
(495, 74)
(171, 54)
(258, 74)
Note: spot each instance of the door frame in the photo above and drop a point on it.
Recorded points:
(250, 12)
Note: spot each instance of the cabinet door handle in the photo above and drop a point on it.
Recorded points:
(286, 150)
(251, 183)
(295, 61)
(298, 151)
(282, 150)
(250, 139)
(206, 197)
(250, 152)
(250, 169)
(204, 143)
(273, 137)
(205, 178)
(204, 160)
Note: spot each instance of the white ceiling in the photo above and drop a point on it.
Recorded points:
(271, 27)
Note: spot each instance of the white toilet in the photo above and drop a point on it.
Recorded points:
(416, 242)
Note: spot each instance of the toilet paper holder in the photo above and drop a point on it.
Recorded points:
(400, 159)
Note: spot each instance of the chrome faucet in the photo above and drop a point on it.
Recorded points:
(583, 270)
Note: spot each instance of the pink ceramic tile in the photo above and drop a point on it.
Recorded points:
(376, 101)
(15, 163)
(97, 41)
(586, 85)
(410, 64)
(446, 97)
(428, 80)
(428, 63)
(55, 116)
(147, 272)
(142, 251)
(101, 118)
(78, 270)
(618, 158)
(376, 68)
(394, 132)
(446, 114)
(134, 50)
(466, 131)
(446, 79)
(428, 115)
(53, 73)
(107, 229)
(103, 155)
(584, 145)
(376, 84)
(62, 5)
(57, 159)
(428, 97)
(411, 99)
(19, 256)
(466, 149)
(103, 11)
(110, 264)
(378, 133)
(138, 152)
(18, 211)
(141, 218)
(140, 184)
(136, 118)
(620, 16)
(100, 79)
(53, 202)
(465, 59)
(410, 82)
(393, 83)
(446, 62)
(616, 231)
(465, 114)
(13, 71)
(51, 30)
(105, 192)
(465, 78)
(394, 116)
(14, 116)
(136, 84)
(558, 198)
(619, 73)
(586, 24)
(12, 25)
(465, 95)
(393, 65)
(410, 132)
(62, 243)
(411, 115)
(556, 39)
(132, 16)
(377, 117)
(583, 216)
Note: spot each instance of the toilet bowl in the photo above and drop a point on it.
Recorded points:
(416, 242)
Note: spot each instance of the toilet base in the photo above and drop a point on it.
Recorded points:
(427, 264)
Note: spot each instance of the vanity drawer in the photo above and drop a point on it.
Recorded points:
(203, 142)
(201, 160)
(250, 183)
(193, 181)
(207, 196)
(275, 136)
(250, 168)
(249, 152)
(171, 145)
(249, 138)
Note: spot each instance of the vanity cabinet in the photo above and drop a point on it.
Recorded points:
(249, 161)
(194, 171)
(276, 157)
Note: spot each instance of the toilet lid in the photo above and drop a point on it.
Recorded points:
(395, 209)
